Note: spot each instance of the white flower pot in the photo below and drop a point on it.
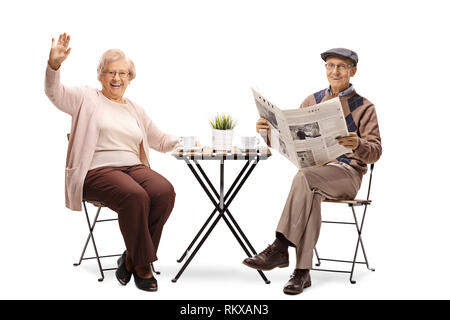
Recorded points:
(222, 139)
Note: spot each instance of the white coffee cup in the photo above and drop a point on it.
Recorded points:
(249, 142)
(187, 142)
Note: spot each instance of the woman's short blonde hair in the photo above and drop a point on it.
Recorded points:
(114, 55)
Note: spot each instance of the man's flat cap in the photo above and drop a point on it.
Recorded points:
(341, 52)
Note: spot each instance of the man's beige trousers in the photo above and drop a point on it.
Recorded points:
(301, 218)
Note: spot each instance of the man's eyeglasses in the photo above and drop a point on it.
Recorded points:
(340, 67)
(122, 75)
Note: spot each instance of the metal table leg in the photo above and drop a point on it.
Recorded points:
(233, 185)
(215, 209)
(222, 207)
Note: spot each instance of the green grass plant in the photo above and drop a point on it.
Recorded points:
(223, 122)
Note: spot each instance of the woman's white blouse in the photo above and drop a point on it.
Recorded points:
(119, 138)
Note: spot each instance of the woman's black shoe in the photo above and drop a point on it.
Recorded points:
(122, 274)
(145, 284)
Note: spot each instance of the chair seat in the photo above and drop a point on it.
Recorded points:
(96, 204)
(354, 201)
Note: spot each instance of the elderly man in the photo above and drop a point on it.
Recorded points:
(300, 222)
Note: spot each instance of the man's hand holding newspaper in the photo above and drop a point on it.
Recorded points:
(351, 141)
(263, 128)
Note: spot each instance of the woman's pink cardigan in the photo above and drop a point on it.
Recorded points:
(84, 104)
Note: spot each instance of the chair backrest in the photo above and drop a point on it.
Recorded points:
(370, 180)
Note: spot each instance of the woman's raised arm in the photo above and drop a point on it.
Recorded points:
(67, 99)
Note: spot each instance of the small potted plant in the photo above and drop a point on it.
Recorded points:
(222, 131)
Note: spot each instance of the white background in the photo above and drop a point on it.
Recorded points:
(197, 58)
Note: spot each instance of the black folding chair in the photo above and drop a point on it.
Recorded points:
(90, 237)
(359, 226)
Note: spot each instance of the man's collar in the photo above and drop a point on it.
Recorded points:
(346, 92)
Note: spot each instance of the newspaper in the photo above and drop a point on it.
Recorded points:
(306, 136)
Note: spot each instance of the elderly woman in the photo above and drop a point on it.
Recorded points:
(107, 159)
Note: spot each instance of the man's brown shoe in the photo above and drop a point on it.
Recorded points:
(270, 258)
(299, 281)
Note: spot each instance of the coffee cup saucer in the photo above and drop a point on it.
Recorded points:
(189, 149)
